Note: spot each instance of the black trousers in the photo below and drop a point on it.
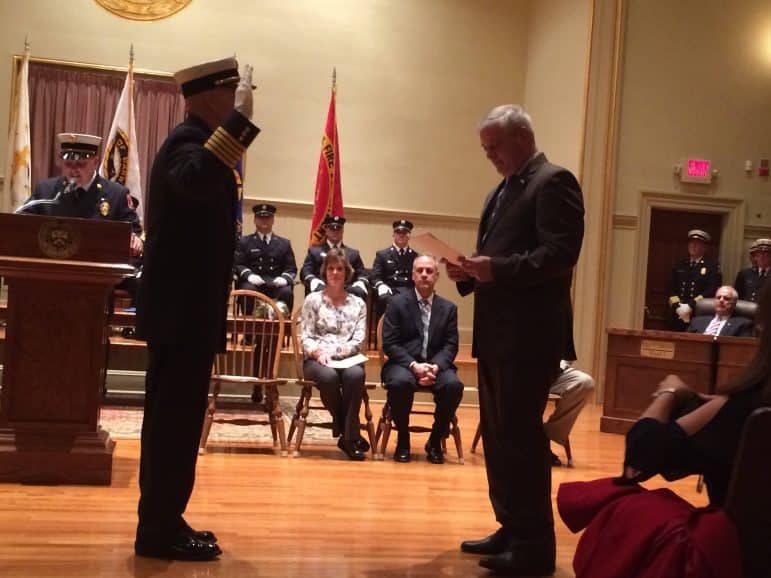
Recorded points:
(512, 397)
(342, 391)
(402, 385)
(176, 392)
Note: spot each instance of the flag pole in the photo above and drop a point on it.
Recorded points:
(131, 95)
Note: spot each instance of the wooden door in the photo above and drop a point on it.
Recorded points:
(667, 244)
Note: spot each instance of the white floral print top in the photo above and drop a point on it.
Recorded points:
(337, 331)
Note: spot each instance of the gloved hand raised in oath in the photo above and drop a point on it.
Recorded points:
(243, 100)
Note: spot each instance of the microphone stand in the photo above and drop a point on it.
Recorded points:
(22, 209)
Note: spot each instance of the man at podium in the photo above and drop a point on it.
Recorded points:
(81, 192)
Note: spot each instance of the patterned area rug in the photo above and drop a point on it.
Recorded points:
(229, 425)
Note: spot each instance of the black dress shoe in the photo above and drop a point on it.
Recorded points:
(182, 548)
(495, 543)
(349, 447)
(555, 460)
(402, 454)
(519, 562)
(362, 445)
(434, 454)
(203, 536)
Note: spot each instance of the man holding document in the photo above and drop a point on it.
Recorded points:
(334, 324)
(528, 242)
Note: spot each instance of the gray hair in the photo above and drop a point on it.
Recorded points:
(508, 116)
(734, 293)
(427, 256)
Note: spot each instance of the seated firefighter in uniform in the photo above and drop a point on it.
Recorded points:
(420, 338)
(81, 192)
(750, 281)
(310, 274)
(392, 268)
(692, 279)
(265, 262)
(724, 322)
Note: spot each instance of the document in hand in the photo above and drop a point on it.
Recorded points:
(429, 244)
(348, 361)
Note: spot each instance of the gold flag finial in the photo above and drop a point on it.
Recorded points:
(26, 44)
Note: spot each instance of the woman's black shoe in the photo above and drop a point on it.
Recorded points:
(349, 447)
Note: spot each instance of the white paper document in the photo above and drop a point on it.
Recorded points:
(348, 361)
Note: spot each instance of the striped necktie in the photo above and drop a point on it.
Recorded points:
(425, 317)
(713, 326)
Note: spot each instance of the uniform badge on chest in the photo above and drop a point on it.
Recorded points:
(104, 208)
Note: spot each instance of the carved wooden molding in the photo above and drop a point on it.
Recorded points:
(143, 9)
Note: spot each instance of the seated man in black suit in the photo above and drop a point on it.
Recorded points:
(420, 338)
(724, 322)
(264, 261)
(310, 272)
(392, 268)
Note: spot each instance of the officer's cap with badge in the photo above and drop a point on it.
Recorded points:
(333, 222)
(264, 210)
(207, 76)
(403, 225)
(75, 147)
(699, 235)
(760, 245)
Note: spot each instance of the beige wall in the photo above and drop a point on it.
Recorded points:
(414, 78)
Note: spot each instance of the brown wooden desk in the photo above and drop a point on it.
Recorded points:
(639, 359)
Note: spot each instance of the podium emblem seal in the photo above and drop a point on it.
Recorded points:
(58, 240)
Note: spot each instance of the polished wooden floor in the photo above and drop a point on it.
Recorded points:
(313, 516)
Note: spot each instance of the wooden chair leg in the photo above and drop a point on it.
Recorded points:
(455, 431)
(370, 427)
(209, 419)
(277, 421)
(379, 434)
(296, 416)
(271, 398)
(302, 419)
(568, 453)
(477, 436)
(387, 425)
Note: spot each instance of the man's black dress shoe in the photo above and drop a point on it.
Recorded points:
(362, 445)
(555, 460)
(519, 562)
(349, 447)
(495, 543)
(434, 454)
(202, 536)
(402, 454)
(182, 548)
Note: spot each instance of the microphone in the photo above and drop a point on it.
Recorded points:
(68, 189)
(63, 194)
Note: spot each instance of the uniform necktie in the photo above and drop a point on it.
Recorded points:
(264, 239)
(425, 317)
(401, 252)
(713, 326)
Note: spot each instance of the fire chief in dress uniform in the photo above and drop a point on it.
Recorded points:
(750, 281)
(192, 196)
(264, 261)
(692, 279)
(392, 269)
(310, 274)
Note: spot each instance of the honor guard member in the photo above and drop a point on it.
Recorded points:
(82, 192)
(264, 261)
(749, 281)
(692, 279)
(310, 272)
(392, 268)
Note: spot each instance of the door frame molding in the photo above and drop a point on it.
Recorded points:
(732, 237)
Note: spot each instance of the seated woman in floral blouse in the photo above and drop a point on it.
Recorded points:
(333, 327)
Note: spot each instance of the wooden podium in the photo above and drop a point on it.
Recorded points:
(60, 273)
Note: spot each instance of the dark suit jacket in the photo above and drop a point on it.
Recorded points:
(735, 326)
(103, 200)
(534, 241)
(191, 238)
(312, 266)
(403, 332)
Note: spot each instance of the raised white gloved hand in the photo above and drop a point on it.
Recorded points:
(280, 282)
(684, 312)
(255, 280)
(317, 284)
(384, 289)
(243, 100)
(361, 285)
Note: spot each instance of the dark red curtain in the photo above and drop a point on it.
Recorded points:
(75, 99)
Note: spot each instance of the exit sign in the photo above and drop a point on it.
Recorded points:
(697, 171)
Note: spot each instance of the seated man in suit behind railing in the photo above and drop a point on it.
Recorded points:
(420, 338)
(724, 322)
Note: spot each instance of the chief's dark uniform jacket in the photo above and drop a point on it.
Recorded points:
(191, 236)
(748, 283)
(691, 283)
(271, 261)
(312, 266)
(104, 199)
(393, 269)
